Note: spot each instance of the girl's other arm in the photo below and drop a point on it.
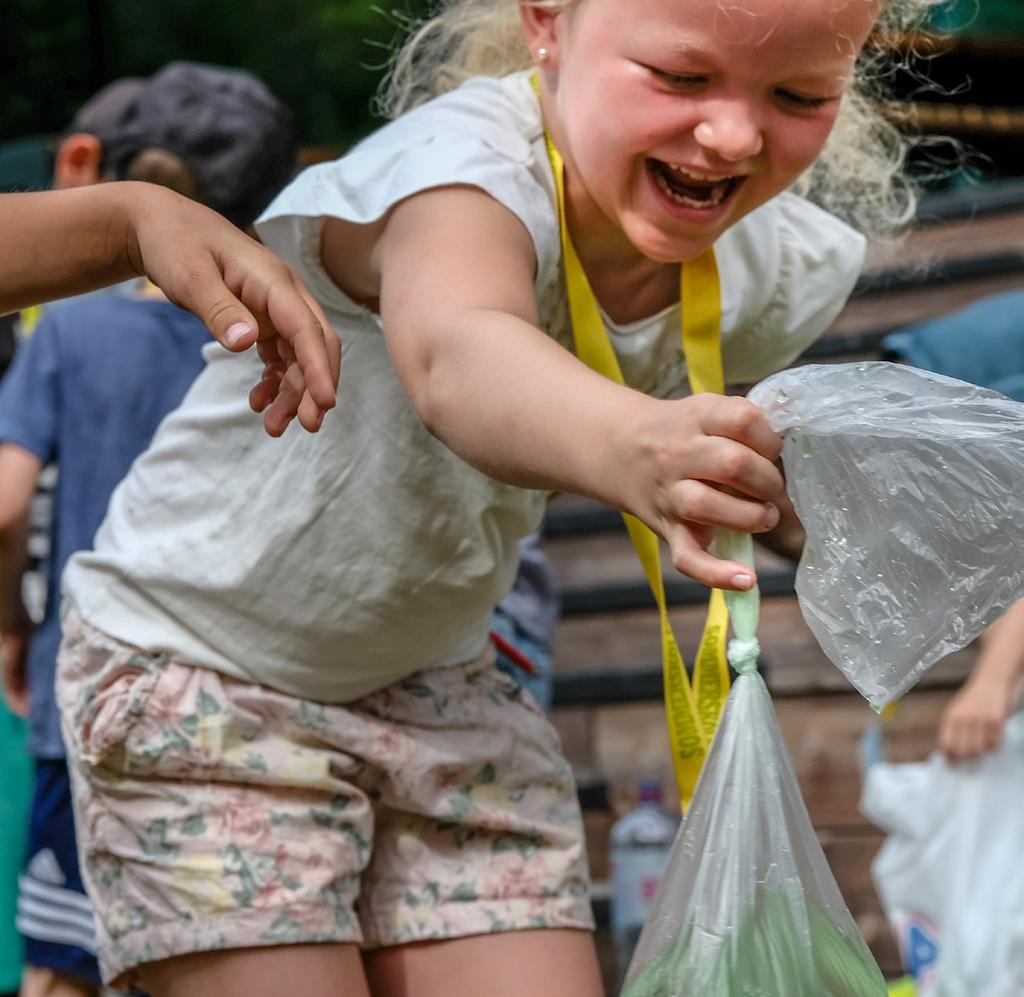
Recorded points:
(973, 723)
(59, 243)
(459, 312)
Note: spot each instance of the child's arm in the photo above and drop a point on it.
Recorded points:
(60, 243)
(972, 724)
(458, 309)
(19, 472)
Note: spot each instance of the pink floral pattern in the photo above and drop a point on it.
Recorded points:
(217, 814)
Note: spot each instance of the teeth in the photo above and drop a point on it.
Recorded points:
(694, 175)
(713, 197)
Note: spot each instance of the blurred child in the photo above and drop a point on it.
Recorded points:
(88, 390)
(297, 767)
(973, 722)
(523, 624)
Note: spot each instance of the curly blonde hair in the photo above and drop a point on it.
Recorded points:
(860, 175)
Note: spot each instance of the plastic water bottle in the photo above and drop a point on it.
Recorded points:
(640, 846)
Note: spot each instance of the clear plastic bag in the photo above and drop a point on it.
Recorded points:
(910, 486)
(949, 874)
(748, 906)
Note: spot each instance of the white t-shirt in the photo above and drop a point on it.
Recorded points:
(333, 564)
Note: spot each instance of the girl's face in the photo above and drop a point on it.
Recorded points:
(678, 117)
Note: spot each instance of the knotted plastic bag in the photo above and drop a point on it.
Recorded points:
(910, 486)
(748, 906)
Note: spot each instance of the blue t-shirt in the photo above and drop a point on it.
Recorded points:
(87, 391)
(982, 343)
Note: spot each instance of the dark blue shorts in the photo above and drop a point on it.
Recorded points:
(54, 914)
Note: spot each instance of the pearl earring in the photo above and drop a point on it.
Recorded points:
(543, 55)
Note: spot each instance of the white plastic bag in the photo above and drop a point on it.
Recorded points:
(949, 874)
(910, 486)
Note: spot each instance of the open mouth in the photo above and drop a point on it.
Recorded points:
(691, 189)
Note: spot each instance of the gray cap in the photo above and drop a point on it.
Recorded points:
(105, 108)
(232, 132)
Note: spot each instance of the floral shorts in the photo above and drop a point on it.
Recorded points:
(216, 814)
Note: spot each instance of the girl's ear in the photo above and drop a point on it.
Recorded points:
(539, 28)
(77, 163)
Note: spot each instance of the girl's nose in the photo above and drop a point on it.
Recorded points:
(731, 132)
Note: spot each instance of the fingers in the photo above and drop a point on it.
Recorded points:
(696, 502)
(301, 322)
(291, 391)
(736, 466)
(741, 420)
(962, 738)
(715, 467)
(302, 359)
(726, 441)
(689, 555)
(206, 294)
(269, 384)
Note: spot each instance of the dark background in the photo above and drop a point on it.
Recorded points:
(325, 58)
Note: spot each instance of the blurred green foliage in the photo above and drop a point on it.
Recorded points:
(325, 58)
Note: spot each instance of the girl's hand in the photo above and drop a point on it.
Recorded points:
(245, 295)
(972, 725)
(705, 462)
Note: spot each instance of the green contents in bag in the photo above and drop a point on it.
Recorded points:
(774, 953)
(748, 906)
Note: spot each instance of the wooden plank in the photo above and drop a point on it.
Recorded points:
(594, 559)
(957, 240)
(793, 660)
(823, 736)
(893, 311)
(575, 730)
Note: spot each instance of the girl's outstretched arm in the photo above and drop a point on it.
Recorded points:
(973, 722)
(457, 303)
(59, 243)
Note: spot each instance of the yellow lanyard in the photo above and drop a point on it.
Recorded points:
(692, 711)
(29, 319)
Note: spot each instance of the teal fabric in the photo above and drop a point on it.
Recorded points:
(15, 791)
(25, 164)
(981, 17)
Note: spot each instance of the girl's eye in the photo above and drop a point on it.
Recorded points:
(802, 100)
(679, 79)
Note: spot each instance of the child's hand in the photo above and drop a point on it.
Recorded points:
(245, 295)
(972, 725)
(705, 462)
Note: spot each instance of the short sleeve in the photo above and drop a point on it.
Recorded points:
(30, 393)
(485, 134)
(787, 270)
